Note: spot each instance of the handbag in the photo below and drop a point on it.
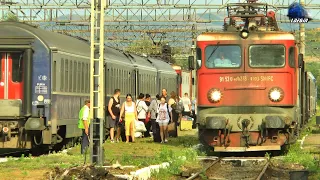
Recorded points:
(171, 127)
(147, 118)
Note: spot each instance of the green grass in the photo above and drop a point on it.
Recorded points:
(141, 154)
(308, 159)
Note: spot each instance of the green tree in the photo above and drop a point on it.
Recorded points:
(147, 47)
(11, 17)
(314, 68)
(143, 46)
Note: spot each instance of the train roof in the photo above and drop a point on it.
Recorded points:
(218, 36)
(116, 56)
(141, 62)
(161, 65)
(52, 40)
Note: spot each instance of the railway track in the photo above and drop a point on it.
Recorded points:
(244, 168)
(14, 153)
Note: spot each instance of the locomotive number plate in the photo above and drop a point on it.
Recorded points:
(245, 78)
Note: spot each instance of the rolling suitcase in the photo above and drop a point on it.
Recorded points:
(156, 131)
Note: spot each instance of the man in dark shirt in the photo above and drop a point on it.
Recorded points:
(148, 100)
(114, 113)
(164, 94)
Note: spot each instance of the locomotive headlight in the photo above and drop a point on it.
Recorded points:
(276, 94)
(40, 98)
(244, 34)
(214, 95)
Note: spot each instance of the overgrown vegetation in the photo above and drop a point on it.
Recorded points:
(305, 157)
(314, 68)
(312, 43)
(177, 161)
(146, 46)
(178, 152)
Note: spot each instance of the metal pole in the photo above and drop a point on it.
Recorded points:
(302, 33)
(97, 81)
(92, 56)
(193, 47)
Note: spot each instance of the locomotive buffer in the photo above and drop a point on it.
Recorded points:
(97, 81)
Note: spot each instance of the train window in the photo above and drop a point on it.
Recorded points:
(70, 76)
(66, 76)
(122, 79)
(223, 56)
(54, 75)
(291, 57)
(75, 77)
(79, 77)
(273, 56)
(118, 78)
(82, 77)
(88, 78)
(115, 78)
(147, 84)
(199, 57)
(85, 78)
(111, 78)
(126, 87)
(17, 67)
(62, 75)
(120, 86)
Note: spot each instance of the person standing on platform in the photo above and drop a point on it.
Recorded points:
(83, 124)
(187, 105)
(173, 103)
(142, 109)
(148, 100)
(165, 94)
(164, 118)
(194, 110)
(130, 115)
(147, 122)
(153, 110)
(114, 113)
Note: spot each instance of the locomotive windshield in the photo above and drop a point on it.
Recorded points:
(267, 56)
(223, 56)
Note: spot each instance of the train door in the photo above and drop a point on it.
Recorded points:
(11, 83)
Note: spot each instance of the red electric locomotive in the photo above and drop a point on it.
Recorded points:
(252, 87)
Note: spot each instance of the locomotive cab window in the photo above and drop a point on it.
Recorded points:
(223, 56)
(266, 56)
(291, 57)
(17, 67)
(199, 58)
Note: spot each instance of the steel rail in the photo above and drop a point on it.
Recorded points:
(198, 173)
(14, 152)
(263, 171)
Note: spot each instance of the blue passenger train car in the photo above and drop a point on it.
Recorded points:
(45, 79)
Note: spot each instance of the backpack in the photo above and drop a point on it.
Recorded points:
(179, 107)
(167, 111)
(139, 109)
